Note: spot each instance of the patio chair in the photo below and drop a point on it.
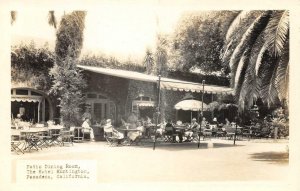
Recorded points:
(16, 142)
(230, 132)
(86, 134)
(168, 136)
(44, 139)
(78, 135)
(246, 132)
(67, 136)
(207, 133)
(220, 133)
(111, 139)
(195, 137)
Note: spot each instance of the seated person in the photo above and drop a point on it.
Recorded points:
(192, 130)
(203, 123)
(160, 130)
(169, 130)
(133, 135)
(18, 121)
(88, 129)
(179, 131)
(108, 128)
(188, 133)
(226, 125)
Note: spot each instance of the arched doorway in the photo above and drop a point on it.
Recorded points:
(33, 105)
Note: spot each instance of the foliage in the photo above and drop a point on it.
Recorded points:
(68, 81)
(52, 19)
(110, 62)
(68, 84)
(195, 77)
(198, 41)
(30, 63)
(258, 56)
(69, 37)
(149, 62)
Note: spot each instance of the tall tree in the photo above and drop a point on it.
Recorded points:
(199, 39)
(257, 51)
(52, 19)
(69, 37)
(149, 61)
(161, 67)
(13, 16)
(68, 80)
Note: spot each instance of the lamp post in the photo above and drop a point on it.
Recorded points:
(157, 112)
(203, 82)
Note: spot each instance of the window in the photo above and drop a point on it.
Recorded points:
(145, 98)
(35, 93)
(91, 96)
(21, 92)
(98, 110)
(101, 97)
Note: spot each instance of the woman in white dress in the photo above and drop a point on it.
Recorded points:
(108, 128)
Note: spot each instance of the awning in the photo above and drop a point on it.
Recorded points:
(146, 104)
(191, 105)
(25, 99)
(166, 83)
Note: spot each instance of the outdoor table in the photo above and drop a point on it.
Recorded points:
(127, 130)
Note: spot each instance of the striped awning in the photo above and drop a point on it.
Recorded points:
(26, 99)
(166, 83)
(146, 104)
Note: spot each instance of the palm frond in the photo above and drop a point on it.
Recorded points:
(250, 89)
(235, 24)
(52, 19)
(281, 81)
(260, 56)
(277, 31)
(13, 17)
(267, 75)
(240, 30)
(242, 63)
(249, 38)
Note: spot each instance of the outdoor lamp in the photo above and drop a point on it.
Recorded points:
(255, 110)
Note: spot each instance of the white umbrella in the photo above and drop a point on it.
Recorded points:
(191, 105)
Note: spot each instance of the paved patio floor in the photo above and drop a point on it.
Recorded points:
(216, 160)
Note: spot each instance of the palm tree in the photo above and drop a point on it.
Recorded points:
(149, 61)
(257, 51)
(51, 18)
(13, 16)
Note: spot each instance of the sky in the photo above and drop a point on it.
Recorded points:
(124, 31)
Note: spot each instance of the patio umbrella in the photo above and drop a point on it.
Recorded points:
(191, 105)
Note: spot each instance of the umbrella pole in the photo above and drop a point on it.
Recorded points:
(203, 81)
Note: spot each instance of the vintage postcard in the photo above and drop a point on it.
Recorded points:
(132, 95)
